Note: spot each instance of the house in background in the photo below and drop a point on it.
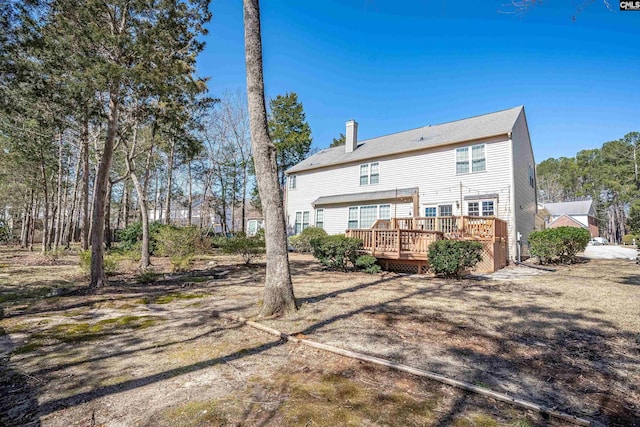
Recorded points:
(480, 167)
(581, 214)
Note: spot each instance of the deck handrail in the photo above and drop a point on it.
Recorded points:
(457, 226)
(396, 241)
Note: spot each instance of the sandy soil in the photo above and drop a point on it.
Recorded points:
(151, 351)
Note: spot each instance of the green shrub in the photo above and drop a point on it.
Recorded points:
(451, 257)
(180, 244)
(628, 239)
(131, 237)
(337, 251)
(302, 242)
(558, 245)
(109, 261)
(368, 264)
(248, 248)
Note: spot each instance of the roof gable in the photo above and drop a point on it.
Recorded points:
(579, 207)
(478, 127)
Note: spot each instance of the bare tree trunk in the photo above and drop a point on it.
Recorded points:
(190, 200)
(124, 221)
(167, 205)
(24, 240)
(56, 222)
(107, 215)
(145, 261)
(278, 290)
(45, 189)
(156, 202)
(71, 224)
(98, 277)
(64, 214)
(244, 197)
(34, 219)
(84, 236)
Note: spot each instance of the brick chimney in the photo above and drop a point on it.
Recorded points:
(351, 136)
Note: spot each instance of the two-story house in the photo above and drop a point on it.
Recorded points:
(481, 166)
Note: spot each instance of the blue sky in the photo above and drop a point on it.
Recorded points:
(397, 65)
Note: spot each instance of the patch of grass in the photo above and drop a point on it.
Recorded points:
(18, 297)
(522, 422)
(476, 420)
(115, 380)
(81, 332)
(28, 347)
(196, 414)
(168, 298)
(334, 399)
(147, 277)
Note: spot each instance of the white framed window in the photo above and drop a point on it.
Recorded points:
(445, 210)
(252, 227)
(488, 208)
(369, 173)
(473, 208)
(353, 217)
(385, 212)
(430, 211)
(462, 160)
(481, 208)
(302, 221)
(365, 216)
(320, 218)
(471, 162)
(292, 182)
(368, 215)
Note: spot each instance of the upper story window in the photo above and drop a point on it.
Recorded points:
(292, 182)
(471, 159)
(369, 173)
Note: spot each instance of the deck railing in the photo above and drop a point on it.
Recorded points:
(455, 226)
(381, 241)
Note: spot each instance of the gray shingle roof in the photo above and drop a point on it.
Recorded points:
(582, 207)
(478, 127)
(400, 193)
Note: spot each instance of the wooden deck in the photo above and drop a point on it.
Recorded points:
(403, 243)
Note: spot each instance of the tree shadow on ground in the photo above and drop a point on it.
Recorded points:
(18, 392)
(574, 362)
(54, 405)
(633, 280)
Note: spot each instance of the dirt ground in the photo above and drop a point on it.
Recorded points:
(150, 350)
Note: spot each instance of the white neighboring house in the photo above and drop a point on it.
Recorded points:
(480, 166)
